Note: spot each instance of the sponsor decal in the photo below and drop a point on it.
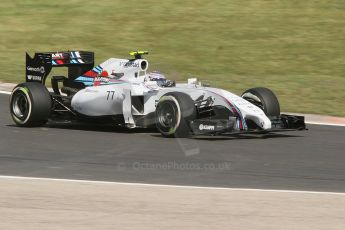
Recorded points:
(206, 127)
(129, 64)
(34, 78)
(102, 79)
(36, 69)
(57, 56)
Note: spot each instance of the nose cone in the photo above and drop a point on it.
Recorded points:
(265, 123)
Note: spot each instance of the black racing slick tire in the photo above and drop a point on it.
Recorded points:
(263, 98)
(174, 112)
(30, 104)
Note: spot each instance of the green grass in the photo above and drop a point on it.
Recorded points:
(295, 47)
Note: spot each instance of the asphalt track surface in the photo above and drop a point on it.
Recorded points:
(311, 160)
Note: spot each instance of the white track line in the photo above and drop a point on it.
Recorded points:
(4, 92)
(168, 186)
(312, 123)
(323, 123)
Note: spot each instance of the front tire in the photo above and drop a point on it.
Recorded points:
(30, 104)
(173, 113)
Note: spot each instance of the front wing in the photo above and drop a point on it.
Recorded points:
(280, 123)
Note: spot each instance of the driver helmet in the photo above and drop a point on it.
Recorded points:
(159, 79)
(155, 76)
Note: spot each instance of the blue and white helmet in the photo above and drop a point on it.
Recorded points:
(155, 76)
(159, 79)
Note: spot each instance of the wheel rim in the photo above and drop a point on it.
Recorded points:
(20, 105)
(167, 115)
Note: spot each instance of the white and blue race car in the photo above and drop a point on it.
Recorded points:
(122, 92)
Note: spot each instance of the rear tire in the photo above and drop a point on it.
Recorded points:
(263, 98)
(30, 104)
(173, 113)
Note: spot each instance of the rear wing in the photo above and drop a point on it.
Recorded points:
(39, 67)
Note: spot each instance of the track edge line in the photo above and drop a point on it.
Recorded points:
(167, 185)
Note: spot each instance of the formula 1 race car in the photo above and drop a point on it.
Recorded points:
(122, 92)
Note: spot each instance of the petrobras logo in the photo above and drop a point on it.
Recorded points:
(34, 78)
(206, 127)
(36, 69)
(102, 79)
